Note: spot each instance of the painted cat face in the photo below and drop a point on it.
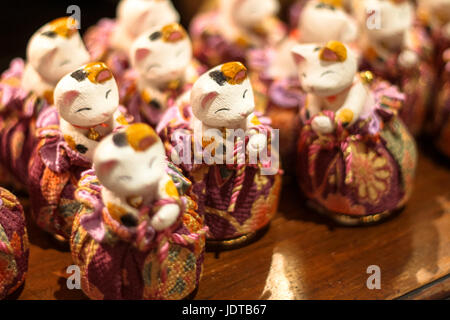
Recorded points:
(223, 96)
(56, 49)
(249, 13)
(88, 96)
(138, 16)
(325, 70)
(339, 25)
(131, 162)
(437, 8)
(394, 17)
(163, 54)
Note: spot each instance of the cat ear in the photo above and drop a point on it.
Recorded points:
(105, 167)
(69, 97)
(103, 76)
(334, 51)
(141, 53)
(298, 52)
(209, 98)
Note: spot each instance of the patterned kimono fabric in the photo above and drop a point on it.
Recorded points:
(55, 168)
(236, 200)
(14, 249)
(122, 263)
(417, 83)
(362, 173)
(211, 48)
(18, 113)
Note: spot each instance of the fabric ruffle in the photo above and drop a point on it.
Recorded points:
(114, 263)
(364, 170)
(14, 246)
(54, 171)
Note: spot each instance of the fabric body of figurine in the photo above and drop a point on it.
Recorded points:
(226, 34)
(401, 51)
(356, 159)
(163, 71)
(235, 197)
(27, 89)
(441, 113)
(86, 110)
(273, 71)
(160, 254)
(14, 246)
(110, 40)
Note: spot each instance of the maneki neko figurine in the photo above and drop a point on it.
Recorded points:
(138, 234)
(227, 33)
(164, 72)
(13, 244)
(27, 88)
(237, 196)
(356, 159)
(274, 73)
(396, 46)
(86, 101)
(110, 40)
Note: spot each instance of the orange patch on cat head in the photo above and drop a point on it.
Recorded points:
(334, 3)
(173, 32)
(64, 27)
(141, 136)
(235, 72)
(98, 72)
(333, 51)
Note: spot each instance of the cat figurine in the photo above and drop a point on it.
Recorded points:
(355, 159)
(86, 110)
(162, 60)
(132, 211)
(273, 69)
(222, 100)
(27, 89)
(228, 32)
(397, 47)
(14, 245)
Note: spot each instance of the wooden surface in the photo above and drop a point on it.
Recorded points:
(304, 256)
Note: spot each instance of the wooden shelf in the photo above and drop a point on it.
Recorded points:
(304, 256)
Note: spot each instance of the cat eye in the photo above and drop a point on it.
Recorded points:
(152, 66)
(152, 162)
(304, 75)
(222, 109)
(107, 93)
(245, 92)
(83, 109)
(64, 63)
(125, 178)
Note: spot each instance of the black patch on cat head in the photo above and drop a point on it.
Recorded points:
(50, 34)
(120, 139)
(155, 104)
(128, 220)
(218, 77)
(155, 36)
(81, 149)
(79, 75)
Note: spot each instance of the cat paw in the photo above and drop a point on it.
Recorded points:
(257, 143)
(165, 217)
(322, 125)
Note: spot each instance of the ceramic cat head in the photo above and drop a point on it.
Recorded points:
(325, 70)
(248, 13)
(162, 54)
(56, 49)
(394, 19)
(137, 16)
(223, 96)
(325, 20)
(131, 162)
(88, 96)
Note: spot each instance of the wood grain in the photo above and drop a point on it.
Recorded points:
(304, 256)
